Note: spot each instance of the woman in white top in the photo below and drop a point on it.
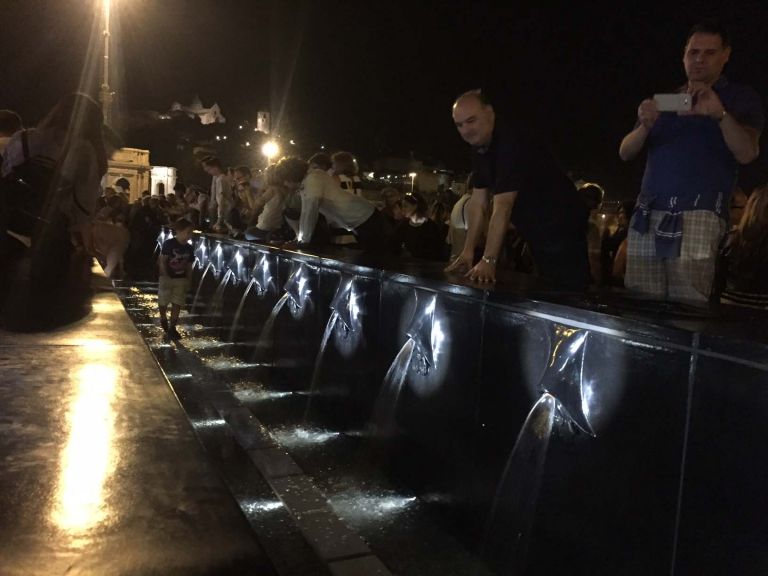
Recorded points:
(267, 213)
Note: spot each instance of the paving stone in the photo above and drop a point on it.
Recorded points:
(299, 494)
(224, 400)
(364, 566)
(329, 536)
(238, 415)
(274, 462)
(253, 437)
(139, 495)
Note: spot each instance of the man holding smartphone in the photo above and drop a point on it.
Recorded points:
(695, 143)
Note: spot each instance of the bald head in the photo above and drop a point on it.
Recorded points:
(474, 118)
(472, 95)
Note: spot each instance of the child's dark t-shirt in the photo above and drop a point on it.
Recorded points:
(179, 257)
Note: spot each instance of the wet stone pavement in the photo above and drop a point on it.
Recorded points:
(101, 471)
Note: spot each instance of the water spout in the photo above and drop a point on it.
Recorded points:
(319, 361)
(201, 253)
(386, 404)
(563, 406)
(207, 269)
(564, 378)
(509, 523)
(265, 339)
(238, 261)
(263, 275)
(421, 333)
(218, 253)
(298, 290)
(217, 303)
(236, 320)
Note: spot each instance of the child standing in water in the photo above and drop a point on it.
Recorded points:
(176, 257)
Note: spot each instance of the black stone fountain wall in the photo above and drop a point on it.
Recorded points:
(647, 456)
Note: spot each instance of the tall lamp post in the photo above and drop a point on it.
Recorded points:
(106, 95)
(413, 179)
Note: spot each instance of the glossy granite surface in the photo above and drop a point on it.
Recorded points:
(101, 473)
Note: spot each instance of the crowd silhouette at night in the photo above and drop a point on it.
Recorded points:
(517, 212)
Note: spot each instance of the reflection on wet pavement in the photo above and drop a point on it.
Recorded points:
(101, 473)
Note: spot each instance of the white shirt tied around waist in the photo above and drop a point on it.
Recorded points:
(320, 193)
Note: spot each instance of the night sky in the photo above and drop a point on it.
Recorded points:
(378, 78)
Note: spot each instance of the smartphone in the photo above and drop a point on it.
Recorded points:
(673, 102)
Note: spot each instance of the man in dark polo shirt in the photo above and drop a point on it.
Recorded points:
(529, 188)
(690, 173)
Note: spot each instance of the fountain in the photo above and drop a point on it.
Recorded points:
(514, 505)
(419, 345)
(261, 280)
(201, 254)
(532, 429)
(217, 302)
(161, 238)
(562, 405)
(296, 293)
(210, 267)
(344, 308)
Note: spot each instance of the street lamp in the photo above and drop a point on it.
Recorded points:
(270, 149)
(413, 179)
(105, 93)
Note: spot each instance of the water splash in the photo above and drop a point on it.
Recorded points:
(383, 420)
(239, 311)
(511, 518)
(360, 506)
(295, 437)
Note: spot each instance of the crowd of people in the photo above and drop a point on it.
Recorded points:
(519, 211)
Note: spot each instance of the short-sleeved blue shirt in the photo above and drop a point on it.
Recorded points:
(689, 164)
(179, 257)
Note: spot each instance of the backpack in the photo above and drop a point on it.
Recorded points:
(23, 192)
(42, 285)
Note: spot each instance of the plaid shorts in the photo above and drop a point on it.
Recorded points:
(688, 277)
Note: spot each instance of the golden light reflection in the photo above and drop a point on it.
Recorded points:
(107, 305)
(87, 459)
(93, 345)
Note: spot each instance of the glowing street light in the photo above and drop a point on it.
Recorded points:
(270, 149)
(106, 95)
(413, 179)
